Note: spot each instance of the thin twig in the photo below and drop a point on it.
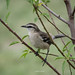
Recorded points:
(70, 70)
(72, 60)
(45, 54)
(58, 16)
(56, 26)
(28, 46)
(58, 33)
(43, 24)
(49, 54)
(56, 29)
(51, 37)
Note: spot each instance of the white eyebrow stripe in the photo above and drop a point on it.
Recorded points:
(31, 25)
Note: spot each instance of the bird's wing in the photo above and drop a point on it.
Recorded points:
(45, 37)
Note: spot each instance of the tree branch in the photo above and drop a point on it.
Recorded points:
(70, 70)
(73, 11)
(28, 46)
(68, 6)
(51, 37)
(56, 27)
(71, 18)
(46, 53)
(58, 16)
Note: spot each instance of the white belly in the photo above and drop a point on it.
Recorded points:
(37, 41)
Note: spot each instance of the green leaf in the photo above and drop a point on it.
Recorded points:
(66, 46)
(7, 2)
(63, 67)
(59, 58)
(7, 16)
(46, 1)
(24, 37)
(15, 42)
(25, 53)
(67, 56)
(39, 4)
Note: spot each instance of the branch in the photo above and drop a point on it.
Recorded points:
(73, 11)
(43, 24)
(70, 70)
(56, 27)
(68, 6)
(71, 18)
(58, 16)
(50, 54)
(51, 37)
(29, 46)
(46, 53)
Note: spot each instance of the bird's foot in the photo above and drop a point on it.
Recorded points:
(44, 61)
(36, 53)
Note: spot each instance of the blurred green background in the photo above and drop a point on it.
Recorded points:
(21, 12)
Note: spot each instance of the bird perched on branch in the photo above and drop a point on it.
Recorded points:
(40, 39)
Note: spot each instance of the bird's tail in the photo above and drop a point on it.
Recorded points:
(58, 36)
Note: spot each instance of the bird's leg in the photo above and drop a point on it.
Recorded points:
(46, 57)
(38, 51)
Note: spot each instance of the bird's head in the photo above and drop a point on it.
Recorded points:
(31, 27)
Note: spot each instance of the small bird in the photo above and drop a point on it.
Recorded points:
(40, 39)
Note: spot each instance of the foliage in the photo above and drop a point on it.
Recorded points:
(15, 42)
(24, 37)
(7, 2)
(63, 67)
(8, 14)
(25, 52)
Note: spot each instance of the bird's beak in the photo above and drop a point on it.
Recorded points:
(24, 26)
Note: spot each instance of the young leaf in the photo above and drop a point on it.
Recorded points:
(66, 46)
(40, 4)
(63, 67)
(46, 1)
(59, 58)
(25, 53)
(24, 37)
(71, 57)
(15, 42)
(7, 16)
(7, 2)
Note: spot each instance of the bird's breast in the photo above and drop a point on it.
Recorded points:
(37, 41)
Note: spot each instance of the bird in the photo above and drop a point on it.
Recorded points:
(40, 39)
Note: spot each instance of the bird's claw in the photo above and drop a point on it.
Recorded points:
(36, 53)
(44, 61)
